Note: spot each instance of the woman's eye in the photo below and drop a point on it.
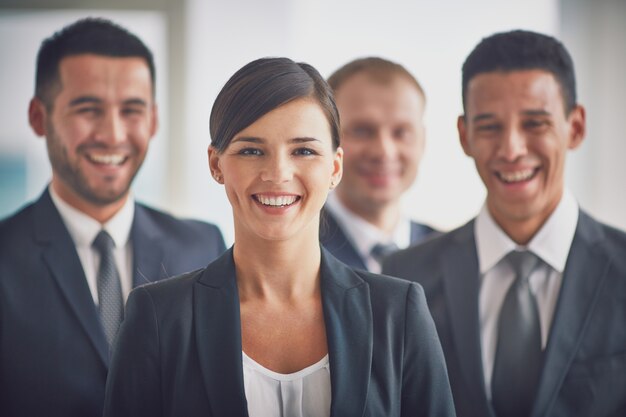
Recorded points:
(304, 152)
(250, 151)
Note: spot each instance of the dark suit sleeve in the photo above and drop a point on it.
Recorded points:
(425, 386)
(133, 384)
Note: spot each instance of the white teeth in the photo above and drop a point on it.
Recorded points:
(517, 175)
(279, 201)
(111, 159)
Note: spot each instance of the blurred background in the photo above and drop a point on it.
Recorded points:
(198, 44)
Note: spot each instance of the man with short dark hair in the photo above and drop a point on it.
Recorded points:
(381, 106)
(68, 260)
(528, 297)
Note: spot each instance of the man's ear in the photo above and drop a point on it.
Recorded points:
(462, 128)
(214, 165)
(154, 126)
(578, 126)
(37, 114)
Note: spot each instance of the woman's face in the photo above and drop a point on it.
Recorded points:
(277, 172)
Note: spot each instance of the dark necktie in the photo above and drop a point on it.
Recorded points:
(381, 250)
(518, 359)
(110, 303)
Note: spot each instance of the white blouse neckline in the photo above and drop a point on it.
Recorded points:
(251, 363)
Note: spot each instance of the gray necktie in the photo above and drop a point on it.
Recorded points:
(381, 250)
(111, 305)
(519, 357)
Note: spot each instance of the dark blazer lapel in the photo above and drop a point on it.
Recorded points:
(335, 240)
(61, 258)
(348, 319)
(218, 337)
(419, 232)
(147, 249)
(459, 263)
(583, 278)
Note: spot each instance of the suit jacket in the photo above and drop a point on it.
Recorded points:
(335, 240)
(53, 351)
(179, 349)
(584, 371)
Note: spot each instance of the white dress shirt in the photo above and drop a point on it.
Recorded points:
(364, 235)
(305, 393)
(84, 229)
(551, 244)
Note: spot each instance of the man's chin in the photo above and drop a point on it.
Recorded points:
(106, 198)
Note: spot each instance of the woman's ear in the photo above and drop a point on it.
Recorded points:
(214, 165)
(337, 168)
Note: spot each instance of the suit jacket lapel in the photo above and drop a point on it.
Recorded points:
(61, 258)
(147, 250)
(348, 319)
(335, 240)
(218, 337)
(461, 286)
(583, 279)
(419, 232)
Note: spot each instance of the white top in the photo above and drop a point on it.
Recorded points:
(364, 235)
(551, 244)
(84, 229)
(305, 393)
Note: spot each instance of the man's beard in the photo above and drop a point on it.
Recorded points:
(71, 174)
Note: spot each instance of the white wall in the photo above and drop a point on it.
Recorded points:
(21, 33)
(430, 38)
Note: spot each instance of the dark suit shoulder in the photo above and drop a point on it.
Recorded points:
(16, 224)
(170, 296)
(175, 227)
(170, 287)
(405, 263)
(612, 240)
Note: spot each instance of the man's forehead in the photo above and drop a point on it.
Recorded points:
(532, 89)
(97, 73)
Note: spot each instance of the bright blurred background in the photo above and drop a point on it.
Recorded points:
(198, 44)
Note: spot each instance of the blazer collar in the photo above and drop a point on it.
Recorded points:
(349, 331)
(335, 240)
(61, 258)
(459, 263)
(148, 251)
(347, 315)
(583, 279)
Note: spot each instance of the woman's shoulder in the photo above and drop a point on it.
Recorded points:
(387, 284)
(172, 287)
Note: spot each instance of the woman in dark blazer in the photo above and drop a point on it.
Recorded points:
(277, 326)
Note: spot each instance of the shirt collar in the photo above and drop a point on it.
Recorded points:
(83, 229)
(363, 234)
(551, 243)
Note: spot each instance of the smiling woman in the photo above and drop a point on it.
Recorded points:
(277, 326)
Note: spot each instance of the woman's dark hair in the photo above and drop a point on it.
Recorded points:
(262, 86)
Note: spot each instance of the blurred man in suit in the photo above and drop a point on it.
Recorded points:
(68, 260)
(528, 297)
(381, 106)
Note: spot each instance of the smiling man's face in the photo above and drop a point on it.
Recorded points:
(97, 128)
(516, 130)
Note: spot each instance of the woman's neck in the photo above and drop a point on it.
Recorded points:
(281, 270)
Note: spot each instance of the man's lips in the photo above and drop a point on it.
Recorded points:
(113, 159)
(517, 176)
